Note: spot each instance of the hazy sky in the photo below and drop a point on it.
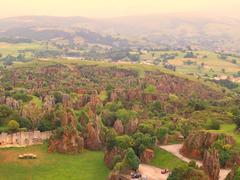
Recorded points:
(113, 8)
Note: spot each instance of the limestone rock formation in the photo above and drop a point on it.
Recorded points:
(69, 139)
(118, 126)
(109, 156)
(49, 103)
(147, 156)
(12, 103)
(196, 143)
(211, 164)
(66, 100)
(132, 126)
(93, 141)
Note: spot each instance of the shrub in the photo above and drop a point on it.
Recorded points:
(161, 133)
(108, 118)
(22, 96)
(146, 128)
(212, 124)
(44, 125)
(189, 172)
(13, 126)
(197, 104)
(124, 141)
(116, 159)
(131, 159)
(156, 110)
(5, 111)
(150, 89)
(237, 175)
(143, 141)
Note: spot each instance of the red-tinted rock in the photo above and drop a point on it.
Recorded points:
(132, 126)
(211, 164)
(109, 156)
(147, 156)
(69, 140)
(93, 141)
(196, 143)
(118, 126)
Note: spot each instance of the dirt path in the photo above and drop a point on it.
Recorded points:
(152, 173)
(175, 150)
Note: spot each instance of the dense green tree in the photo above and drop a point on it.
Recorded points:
(197, 104)
(161, 133)
(142, 142)
(212, 124)
(22, 96)
(13, 126)
(150, 89)
(147, 128)
(5, 111)
(131, 159)
(156, 110)
(124, 141)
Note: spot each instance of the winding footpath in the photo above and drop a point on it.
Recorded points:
(175, 150)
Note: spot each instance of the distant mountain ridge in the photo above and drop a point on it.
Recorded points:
(203, 31)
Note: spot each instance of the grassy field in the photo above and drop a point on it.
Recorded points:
(12, 49)
(230, 129)
(85, 166)
(164, 159)
(212, 63)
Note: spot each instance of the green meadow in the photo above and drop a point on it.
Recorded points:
(88, 165)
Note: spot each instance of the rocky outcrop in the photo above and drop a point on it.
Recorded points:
(12, 103)
(109, 156)
(66, 101)
(132, 126)
(49, 103)
(211, 164)
(196, 143)
(93, 141)
(147, 156)
(118, 126)
(68, 139)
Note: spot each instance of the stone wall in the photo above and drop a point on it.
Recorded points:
(24, 138)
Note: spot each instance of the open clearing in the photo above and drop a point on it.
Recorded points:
(85, 166)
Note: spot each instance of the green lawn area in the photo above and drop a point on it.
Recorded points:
(164, 159)
(85, 166)
(229, 129)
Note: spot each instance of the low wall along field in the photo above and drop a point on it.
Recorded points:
(23, 138)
